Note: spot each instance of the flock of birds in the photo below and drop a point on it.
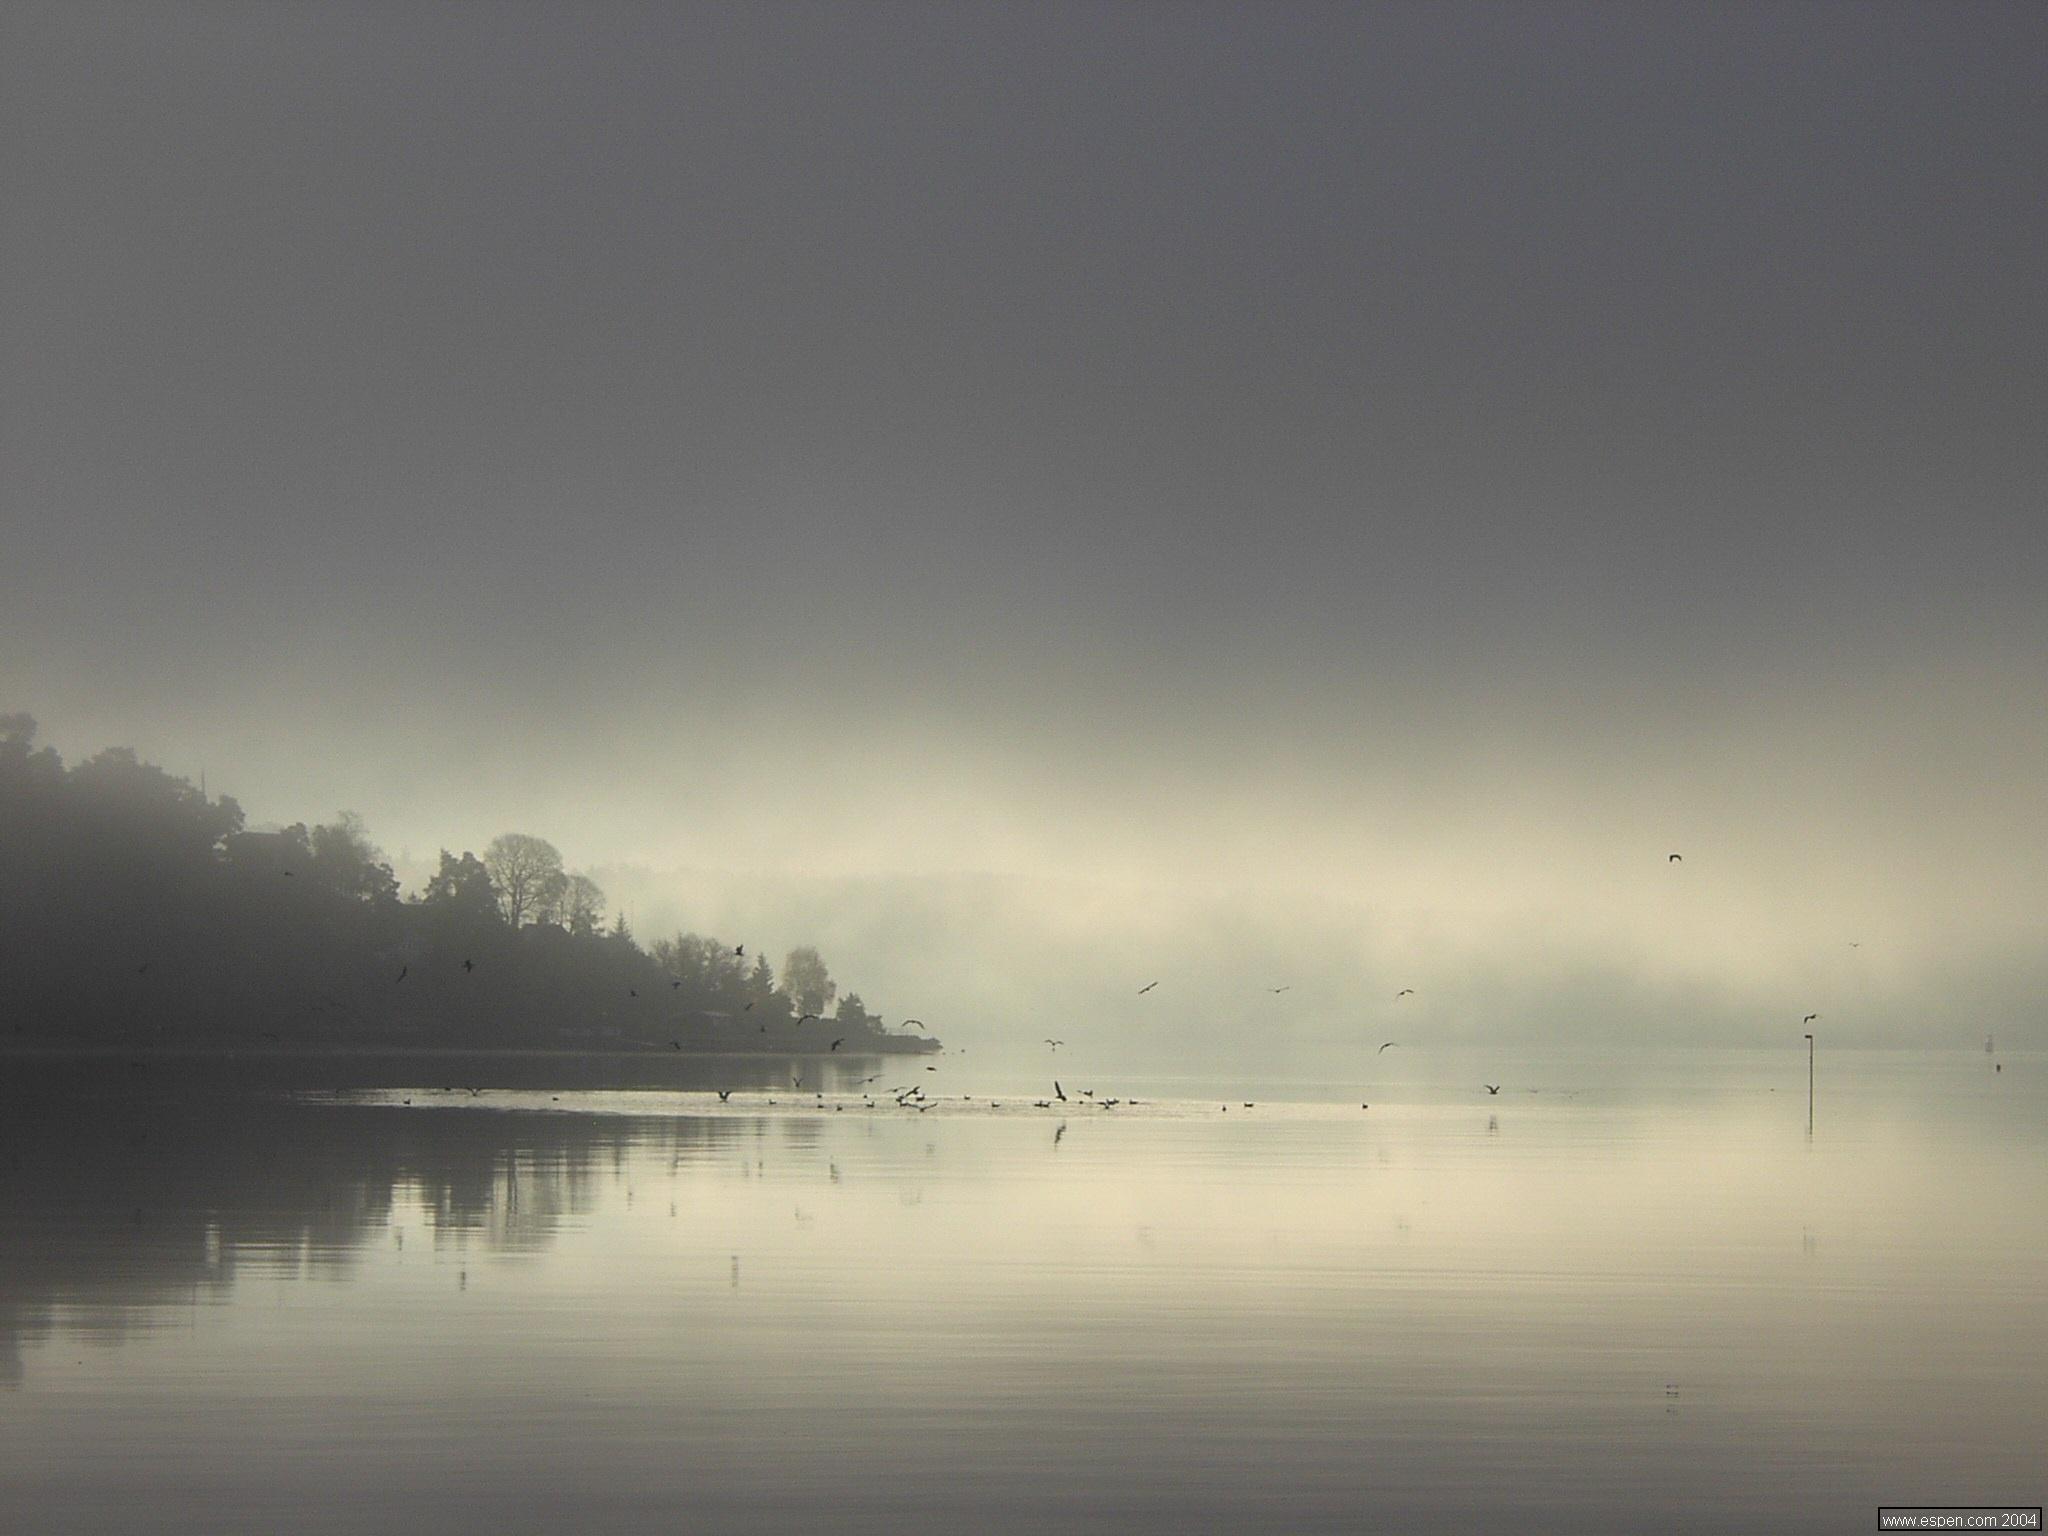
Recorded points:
(916, 1098)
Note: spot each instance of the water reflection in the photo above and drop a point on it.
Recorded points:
(598, 1310)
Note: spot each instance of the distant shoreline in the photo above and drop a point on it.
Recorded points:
(51, 1075)
(28, 1050)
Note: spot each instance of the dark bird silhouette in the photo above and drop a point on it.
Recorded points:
(1809, 1018)
(402, 973)
(469, 965)
(724, 1094)
(1276, 991)
(1387, 1047)
(632, 991)
(675, 1045)
(1675, 858)
(839, 1042)
(1055, 1044)
(1059, 1092)
(1404, 992)
(288, 874)
(1147, 988)
(915, 1024)
(673, 984)
(807, 1018)
(797, 1081)
(1493, 1087)
(931, 1069)
(748, 1009)
(739, 950)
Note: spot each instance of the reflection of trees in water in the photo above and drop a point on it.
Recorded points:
(120, 1207)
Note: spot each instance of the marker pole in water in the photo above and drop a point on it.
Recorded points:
(1809, 1085)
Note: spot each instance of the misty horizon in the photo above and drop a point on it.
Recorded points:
(1078, 765)
(1365, 482)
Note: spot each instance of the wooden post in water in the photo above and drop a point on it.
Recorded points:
(1809, 1085)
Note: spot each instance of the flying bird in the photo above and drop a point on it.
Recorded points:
(1676, 858)
(675, 1045)
(807, 1018)
(1059, 1092)
(1809, 1018)
(1147, 988)
(739, 949)
(1055, 1044)
(1387, 1047)
(839, 1042)
(401, 973)
(915, 1023)
(632, 991)
(1404, 992)
(1276, 991)
(469, 965)
(1493, 1087)
(673, 983)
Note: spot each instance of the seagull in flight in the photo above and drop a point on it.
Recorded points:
(401, 973)
(724, 1094)
(807, 1018)
(1059, 1092)
(1492, 1088)
(1147, 988)
(1404, 992)
(469, 965)
(1276, 991)
(839, 1042)
(740, 950)
(1387, 1047)
(1055, 1044)
(1809, 1018)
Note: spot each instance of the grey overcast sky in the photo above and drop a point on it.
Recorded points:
(1025, 494)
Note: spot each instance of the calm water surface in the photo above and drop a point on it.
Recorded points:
(1611, 1298)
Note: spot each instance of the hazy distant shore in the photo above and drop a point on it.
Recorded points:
(41, 1069)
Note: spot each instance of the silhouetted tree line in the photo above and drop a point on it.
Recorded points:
(133, 907)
